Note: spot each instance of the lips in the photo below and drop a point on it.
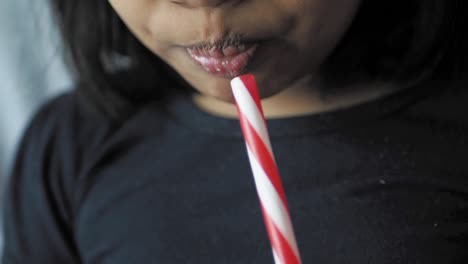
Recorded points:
(228, 62)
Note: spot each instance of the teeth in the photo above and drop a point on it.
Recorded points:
(252, 51)
(191, 51)
(233, 50)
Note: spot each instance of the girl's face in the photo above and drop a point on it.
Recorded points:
(208, 42)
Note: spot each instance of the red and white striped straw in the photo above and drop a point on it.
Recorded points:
(265, 171)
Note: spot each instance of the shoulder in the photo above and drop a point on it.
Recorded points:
(70, 128)
(68, 138)
(441, 105)
(59, 138)
(67, 109)
(434, 132)
(39, 204)
(65, 125)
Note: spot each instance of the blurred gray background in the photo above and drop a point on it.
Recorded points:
(31, 71)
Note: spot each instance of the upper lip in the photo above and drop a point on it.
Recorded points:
(221, 43)
(220, 52)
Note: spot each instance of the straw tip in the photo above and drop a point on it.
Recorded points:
(247, 76)
(241, 79)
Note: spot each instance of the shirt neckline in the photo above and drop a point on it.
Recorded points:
(186, 112)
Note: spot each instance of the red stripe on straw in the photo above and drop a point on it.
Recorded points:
(251, 85)
(263, 155)
(259, 150)
(279, 243)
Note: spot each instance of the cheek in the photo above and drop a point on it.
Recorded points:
(321, 23)
(157, 24)
(302, 33)
(138, 16)
(132, 13)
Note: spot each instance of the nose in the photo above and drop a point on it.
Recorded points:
(203, 3)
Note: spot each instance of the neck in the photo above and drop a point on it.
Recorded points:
(302, 99)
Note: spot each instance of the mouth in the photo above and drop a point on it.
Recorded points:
(227, 61)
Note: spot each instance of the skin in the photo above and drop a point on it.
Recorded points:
(295, 38)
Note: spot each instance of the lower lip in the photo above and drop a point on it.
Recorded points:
(226, 67)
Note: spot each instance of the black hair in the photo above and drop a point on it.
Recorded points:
(403, 41)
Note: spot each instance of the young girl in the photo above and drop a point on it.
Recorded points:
(144, 162)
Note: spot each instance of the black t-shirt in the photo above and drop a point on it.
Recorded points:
(382, 182)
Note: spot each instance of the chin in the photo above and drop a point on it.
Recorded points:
(217, 89)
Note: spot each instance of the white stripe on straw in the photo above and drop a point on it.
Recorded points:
(272, 202)
(276, 258)
(250, 111)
